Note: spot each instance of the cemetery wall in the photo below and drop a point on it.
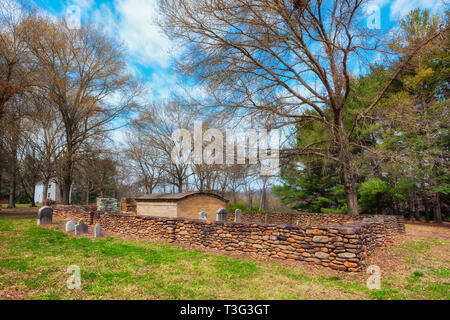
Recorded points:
(341, 246)
(312, 219)
(128, 205)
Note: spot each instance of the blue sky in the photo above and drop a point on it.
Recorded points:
(133, 22)
(149, 51)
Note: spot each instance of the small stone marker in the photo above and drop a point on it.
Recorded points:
(203, 215)
(221, 214)
(77, 229)
(81, 228)
(45, 215)
(84, 226)
(237, 215)
(98, 231)
(70, 226)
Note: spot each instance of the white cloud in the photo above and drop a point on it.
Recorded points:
(400, 8)
(137, 28)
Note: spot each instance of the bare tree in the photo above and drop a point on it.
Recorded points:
(156, 125)
(16, 69)
(84, 77)
(289, 59)
(144, 161)
(15, 111)
(45, 137)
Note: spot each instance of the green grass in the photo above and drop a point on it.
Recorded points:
(35, 259)
(19, 205)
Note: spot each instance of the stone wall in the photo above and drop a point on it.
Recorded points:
(107, 204)
(342, 247)
(307, 219)
(128, 205)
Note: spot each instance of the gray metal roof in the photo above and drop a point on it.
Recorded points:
(173, 197)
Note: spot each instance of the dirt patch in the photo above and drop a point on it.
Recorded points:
(423, 230)
(432, 224)
(19, 213)
(12, 293)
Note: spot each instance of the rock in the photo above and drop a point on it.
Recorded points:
(45, 215)
(321, 255)
(70, 226)
(350, 265)
(306, 254)
(337, 267)
(347, 230)
(98, 231)
(321, 239)
(347, 255)
(314, 231)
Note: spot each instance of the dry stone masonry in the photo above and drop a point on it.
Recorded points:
(341, 243)
(107, 204)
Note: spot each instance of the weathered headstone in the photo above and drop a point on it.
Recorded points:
(81, 228)
(77, 229)
(221, 214)
(203, 215)
(98, 231)
(84, 226)
(45, 215)
(237, 215)
(70, 226)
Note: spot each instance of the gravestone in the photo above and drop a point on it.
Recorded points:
(70, 226)
(237, 215)
(81, 228)
(203, 215)
(84, 226)
(221, 214)
(98, 231)
(45, 215)
(77, 230)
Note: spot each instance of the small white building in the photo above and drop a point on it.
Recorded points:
(53, 192)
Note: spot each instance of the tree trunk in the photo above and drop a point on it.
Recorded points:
(33, 203)
(262, 202)
(249, 199)
(45, 195)
(427, 210)
(379, 206)
(417, 209)
(412, 209)
(66, 190)
(234, 196)
(12, 192)
(13, 181)
(180, 185)
(436, 208)
(396, 209)
(347, 166)
(88, 194)
(68, 163)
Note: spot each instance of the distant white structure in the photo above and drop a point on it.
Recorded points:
(53, 192)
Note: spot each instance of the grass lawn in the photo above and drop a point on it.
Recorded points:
(19, 205)
(34, 261)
